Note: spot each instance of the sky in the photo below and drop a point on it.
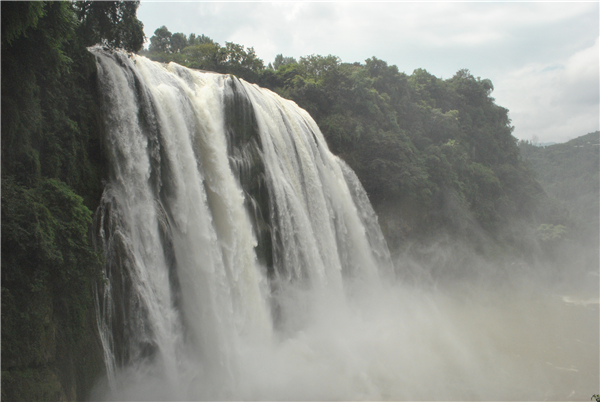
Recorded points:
(542, 57)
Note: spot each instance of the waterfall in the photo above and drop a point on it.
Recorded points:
(223, 201)
(243, 261)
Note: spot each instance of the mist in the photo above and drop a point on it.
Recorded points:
(525, 336)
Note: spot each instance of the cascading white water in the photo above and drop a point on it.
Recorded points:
(244, 261)
(177, 213)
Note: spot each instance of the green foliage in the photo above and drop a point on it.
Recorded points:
(548, 233)
(25, 15)
(201, 52)
(161, 40)
(205, 56)
(52, 169)
(569, 173)
(178, 42)
(282, 61)
(423, 147)
(48, 267)
(237, 60)
(112, 23)
(316, 66)
(51, 125)
(45, 250)
(198, 40)
(32, 385)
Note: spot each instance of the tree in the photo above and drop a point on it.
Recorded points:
(178, 42)
(237, 56)
(251, 61)
(111, 23)
(205, 56)
(24, 15)
(282, 61)
(316, 65)
(160, 42)
(201, 52)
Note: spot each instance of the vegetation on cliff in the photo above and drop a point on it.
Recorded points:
(569, 174)
(52, 169)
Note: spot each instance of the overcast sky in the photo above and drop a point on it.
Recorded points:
(542, 57)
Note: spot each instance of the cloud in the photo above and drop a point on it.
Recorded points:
(555, 102)
(581, 76)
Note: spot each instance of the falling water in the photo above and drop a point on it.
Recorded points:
(203, 166)
(244, 261)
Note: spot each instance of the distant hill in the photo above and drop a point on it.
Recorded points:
(569, 173)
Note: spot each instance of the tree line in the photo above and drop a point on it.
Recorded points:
(433, 154)
(569, 173)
